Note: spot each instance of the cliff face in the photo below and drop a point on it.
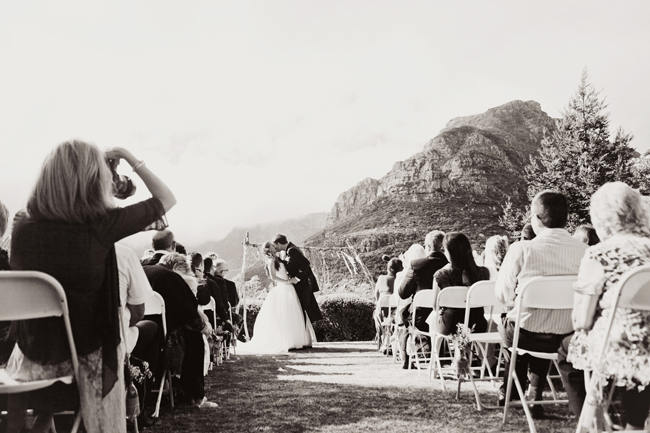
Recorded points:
(457, 182)
(480, 157)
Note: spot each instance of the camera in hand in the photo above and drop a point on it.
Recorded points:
(123, 186)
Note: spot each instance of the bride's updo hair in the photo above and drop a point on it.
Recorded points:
(269, 251)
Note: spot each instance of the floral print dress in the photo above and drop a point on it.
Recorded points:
(628, 354)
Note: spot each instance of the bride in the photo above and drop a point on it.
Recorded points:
(281, 323)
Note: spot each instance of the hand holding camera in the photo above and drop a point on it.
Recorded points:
(123, 186)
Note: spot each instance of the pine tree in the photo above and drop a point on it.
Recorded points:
(581, 156)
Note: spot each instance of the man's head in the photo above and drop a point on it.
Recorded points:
(433, 241)
(281, 242)
(4, 218)
(163, 241)
(208, 266)
(549, 210)
(220, 267)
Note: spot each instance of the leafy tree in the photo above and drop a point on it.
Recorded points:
(580, 155)
(513, 219)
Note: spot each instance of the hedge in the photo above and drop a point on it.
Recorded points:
(345, 318)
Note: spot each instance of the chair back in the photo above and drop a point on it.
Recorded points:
(423, 299)
(481, 294)
(35, 295)
(634, 292)
(548, 293)
(211, 306)
(452, 297)
(387, 301)
(154, 305)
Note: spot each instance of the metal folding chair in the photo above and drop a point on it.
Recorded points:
(28, 295)
(449, 297)
(549, 293)
(386, 301)
(155, 305)
(481, 294)
(633, 292)
(422, 299)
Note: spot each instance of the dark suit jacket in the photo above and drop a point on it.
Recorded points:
(216, 288)
(420, 276)
(230, 289)
(298, 266)
(180, 303)
(153, 260)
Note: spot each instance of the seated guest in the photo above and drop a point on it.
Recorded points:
(418, 275)
(386, 283)
(143, 338)
(621, 220)
(586, 234)
(196, 263)
(181, 307)
(216, 288)
(68, 231)
(220, 269)
(495, 250)
(6, 339)
(162, 243)
(552, 252)
(461, 271)
(527, 233)
(4, 255)
(384, 286)
(180, 248)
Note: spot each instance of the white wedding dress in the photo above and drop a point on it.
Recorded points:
(281, 323)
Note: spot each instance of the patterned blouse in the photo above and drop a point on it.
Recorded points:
(628, 354)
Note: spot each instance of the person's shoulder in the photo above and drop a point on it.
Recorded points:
(446, 269)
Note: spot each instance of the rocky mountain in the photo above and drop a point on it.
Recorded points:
(296, 229)
(457, 182)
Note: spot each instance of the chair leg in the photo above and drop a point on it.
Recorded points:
(171, 389)
(524, 404)
(156, 412)
(76, 423)
(511, 371)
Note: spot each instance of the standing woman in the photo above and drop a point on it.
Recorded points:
(68, 231)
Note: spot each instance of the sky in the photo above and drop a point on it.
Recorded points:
(259, 111)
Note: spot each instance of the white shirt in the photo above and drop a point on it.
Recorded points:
(134, 289)
(552, 252)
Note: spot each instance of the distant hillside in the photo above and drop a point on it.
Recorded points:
(296, 229)
(458, 182)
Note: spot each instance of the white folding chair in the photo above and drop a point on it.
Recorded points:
(548, 293)
(386, 301)
(422, 299)
(28, 295)
(155, 305)
(233, 340)
(449, 297)
(633, 292)
(481, 294)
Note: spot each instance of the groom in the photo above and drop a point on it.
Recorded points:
(298, 266)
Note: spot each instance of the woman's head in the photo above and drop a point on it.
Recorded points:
(74, 185)
(196, 262)
(269, 249)
(495, 250)
(586, 234)
(616, 208)
(527, 233)
(415, 251)
(4, 218)
(459, 252)
(394, 266)
(176, 262)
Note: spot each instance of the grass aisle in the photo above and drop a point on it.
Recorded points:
(338, 387)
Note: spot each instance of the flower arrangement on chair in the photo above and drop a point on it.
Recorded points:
(462, 350)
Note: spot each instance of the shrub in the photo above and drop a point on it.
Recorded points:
(345, 318)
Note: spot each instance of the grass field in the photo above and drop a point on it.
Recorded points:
(339, 387)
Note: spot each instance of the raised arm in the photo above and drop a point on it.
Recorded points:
(154, 184)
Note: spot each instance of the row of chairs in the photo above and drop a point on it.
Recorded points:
(550, 292)
(28, 295)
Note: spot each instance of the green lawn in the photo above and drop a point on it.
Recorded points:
(339, 387)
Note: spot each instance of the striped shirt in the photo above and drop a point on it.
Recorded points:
(552, 252)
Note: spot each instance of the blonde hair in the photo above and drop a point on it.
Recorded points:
(74, 185)
(495, 250)
(176, 262)
(617, 208)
